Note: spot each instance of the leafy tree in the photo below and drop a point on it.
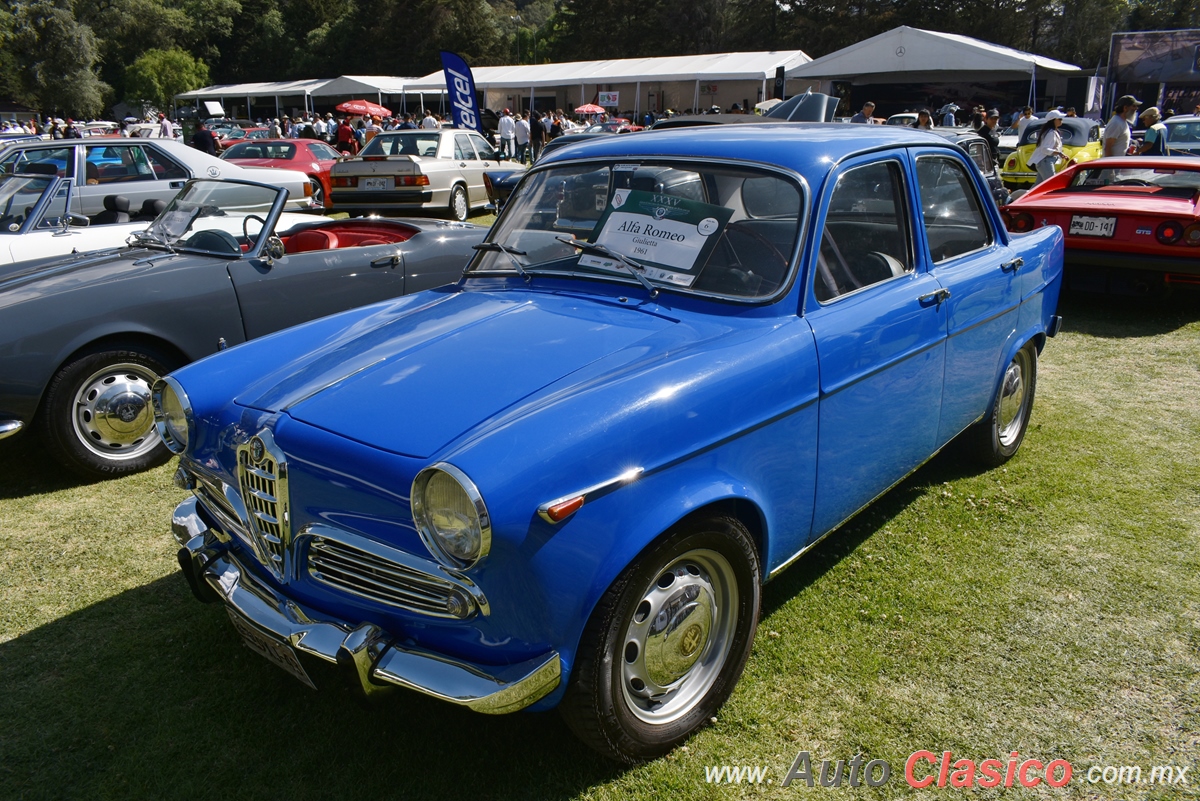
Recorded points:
(158, 75)
(58, 56)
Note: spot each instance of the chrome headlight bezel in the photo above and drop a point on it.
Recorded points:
(167, 420)
(433, 539)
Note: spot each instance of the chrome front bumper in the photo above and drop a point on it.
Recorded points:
(365, 653)
(10, 428)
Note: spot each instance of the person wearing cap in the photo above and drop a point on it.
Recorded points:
(1154, 143)
(164, 127)
(1049, 146)
(988, 131)
(1118, 131)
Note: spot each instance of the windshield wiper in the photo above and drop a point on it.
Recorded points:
(142, 237)
(629, 264)
(511, 252)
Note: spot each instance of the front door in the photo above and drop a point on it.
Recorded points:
(879, 325)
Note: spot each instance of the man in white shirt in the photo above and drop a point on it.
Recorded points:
(319, 127)
(1025, 119)
(507, 130)
(430, 121)
(1117, 133)
(164, 127)
(521, 136)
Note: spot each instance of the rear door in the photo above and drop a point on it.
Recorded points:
(471, 167)
(880, 334)
(972, 262)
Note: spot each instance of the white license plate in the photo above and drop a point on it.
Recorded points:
(274, 651)
(1093, 226)
(377, 183)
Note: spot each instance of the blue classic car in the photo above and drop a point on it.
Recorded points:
(675, 364)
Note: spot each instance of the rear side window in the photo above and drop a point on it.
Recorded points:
(867, 236)
(954, 220)
(462, 148)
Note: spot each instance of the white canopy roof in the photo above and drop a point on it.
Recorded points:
(907, 54)
(712, 67)
(269, 89)
(367, 86)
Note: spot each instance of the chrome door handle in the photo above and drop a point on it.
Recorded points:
(387, 261)
(935, 297)
(1013, 266)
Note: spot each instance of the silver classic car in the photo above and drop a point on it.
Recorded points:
(84, 336)
(426, 169)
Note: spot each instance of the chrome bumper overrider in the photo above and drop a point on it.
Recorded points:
(10, 427)
(364, 653)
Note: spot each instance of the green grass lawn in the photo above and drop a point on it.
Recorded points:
(1050, 607)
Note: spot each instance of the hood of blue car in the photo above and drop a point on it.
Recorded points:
(415, 382)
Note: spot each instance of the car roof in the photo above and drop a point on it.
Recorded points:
(783, 143)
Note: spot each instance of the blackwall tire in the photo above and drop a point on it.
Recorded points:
(667, 642)
(996, 439)
(96, 418)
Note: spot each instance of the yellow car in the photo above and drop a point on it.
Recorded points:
(1081, 142)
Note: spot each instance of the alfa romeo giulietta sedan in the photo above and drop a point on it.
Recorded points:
(675, 364)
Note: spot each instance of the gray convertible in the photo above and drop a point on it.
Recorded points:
(84, 337)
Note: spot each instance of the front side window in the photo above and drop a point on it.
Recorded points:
(58, 161)
(165, 168)
(714, 229)
(954, 220)
(485, 151)
(867, 238)
(18, 195)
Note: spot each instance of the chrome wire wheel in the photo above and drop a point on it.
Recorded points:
(679, 636)
(1014, 395)
(111, 413)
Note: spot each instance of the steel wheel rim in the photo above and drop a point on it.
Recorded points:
(678, 636)
(1014, 392)
(459, 201)
(111, 412)
(318, 194)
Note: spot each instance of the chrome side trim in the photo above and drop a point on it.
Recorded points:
(628, 477)
(10, 427)
(363, 652)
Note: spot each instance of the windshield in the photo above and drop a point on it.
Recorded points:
(1183, 133)
(411, 143)
(1161, 182)
(695, 227)
(18, 196)
(222, 217)
(262, 149)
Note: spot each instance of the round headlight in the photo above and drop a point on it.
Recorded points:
(172, 414)
(450, 516)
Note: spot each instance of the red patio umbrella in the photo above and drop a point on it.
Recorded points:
(364, 107)
(589, 108)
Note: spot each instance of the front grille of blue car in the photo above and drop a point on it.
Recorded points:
(385, 581)
(262, 476)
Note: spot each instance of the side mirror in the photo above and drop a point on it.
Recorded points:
(78, 220)
(273, 250)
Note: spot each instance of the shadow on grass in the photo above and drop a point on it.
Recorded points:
(26, 469)
(1119, 317)
(950, 464)
(151, 695)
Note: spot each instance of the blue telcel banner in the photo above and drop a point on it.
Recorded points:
(460, 85)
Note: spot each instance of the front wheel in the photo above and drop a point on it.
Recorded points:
(458, 208)
(667, 642)
(96, 417)
(995, 439)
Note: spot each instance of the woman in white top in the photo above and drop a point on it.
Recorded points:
(1049, 147)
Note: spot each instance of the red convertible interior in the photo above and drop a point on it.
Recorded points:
(348, 235)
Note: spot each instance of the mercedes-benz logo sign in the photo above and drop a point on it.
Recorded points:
(257, 450)
(900, 51)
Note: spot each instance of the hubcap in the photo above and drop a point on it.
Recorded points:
(679, 636)
(460, 205)
(112, 414)
(1013, 392)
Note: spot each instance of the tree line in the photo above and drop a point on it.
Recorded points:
(78, 57)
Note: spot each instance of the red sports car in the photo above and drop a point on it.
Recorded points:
(306, 155)
(1136, 213)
